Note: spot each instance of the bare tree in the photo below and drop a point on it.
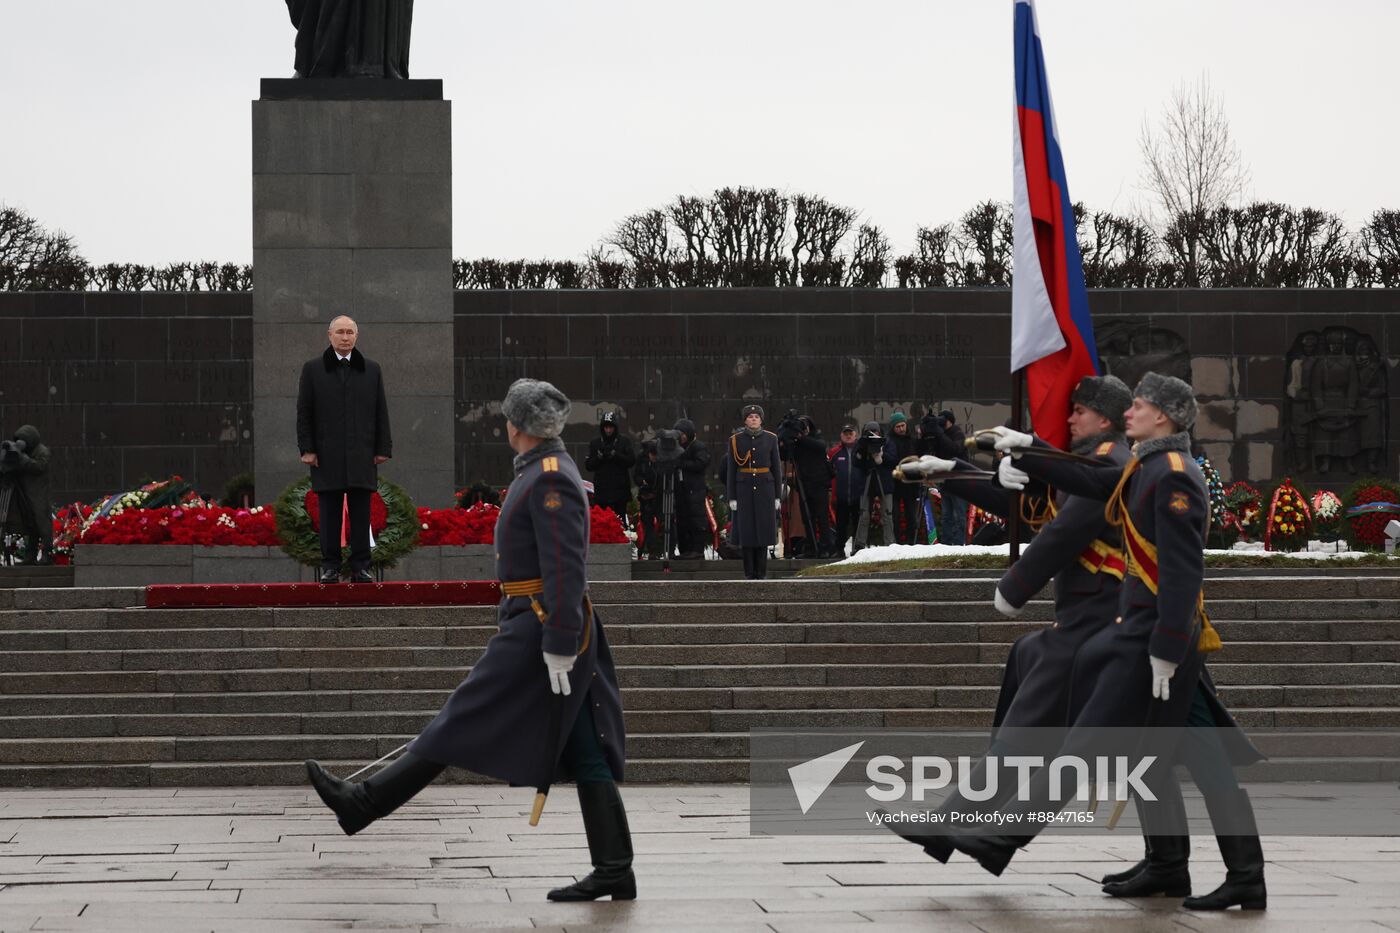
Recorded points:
(870, 258)
(982, 245)
(1117, 251)
(818, 229)
(1270, 245)
(1191, 166)
(35, 259)
(1378, 250)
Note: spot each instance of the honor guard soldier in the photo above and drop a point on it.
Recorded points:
(1081, 551)
(1147, 669)
(550, 649)
(752, 475)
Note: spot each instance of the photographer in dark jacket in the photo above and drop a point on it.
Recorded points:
(905, 517)
(940, 436)
(692, 493)
(879, 484)
(609, 458)
(648, 502)
(849, 485)
(815, 472)
(24, 468)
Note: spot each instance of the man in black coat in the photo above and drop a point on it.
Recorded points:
(24, 469)
(609, 458)
(898, 445)
(343, 435)
(815, 472)
(497, 721)
(692, 493)
(940, 436)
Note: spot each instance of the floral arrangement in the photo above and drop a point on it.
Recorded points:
(297, 529)
(474, 525)
(203, 524)
(1242, 511)
(604, 527)
(378, 512)
(977, 517)
(1327, 515)
(1215, 489)
(1370, 504)
(1290, 519)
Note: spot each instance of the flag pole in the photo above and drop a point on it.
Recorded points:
(1013, 512)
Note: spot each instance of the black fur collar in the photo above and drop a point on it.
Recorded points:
(357, 360)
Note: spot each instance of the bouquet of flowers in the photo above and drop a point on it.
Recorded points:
(1215, 489)
(1242, 504)
(1290, 519)
(604, 527)
(1370, 504)
(458, 527)
(1327, 515)
(207, 525)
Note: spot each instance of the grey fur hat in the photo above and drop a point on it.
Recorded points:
(1174, 397)
(1107, 395)
(751, 410)
(535, 407)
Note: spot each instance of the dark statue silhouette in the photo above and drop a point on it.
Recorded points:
(351, 38)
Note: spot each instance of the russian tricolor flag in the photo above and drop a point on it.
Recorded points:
(1052, 337)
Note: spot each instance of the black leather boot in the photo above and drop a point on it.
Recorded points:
(609, 847)
(991, 852)
(1243, 857)
(1167, 872)
(356, 805)
(937, 845)
(1126, 874)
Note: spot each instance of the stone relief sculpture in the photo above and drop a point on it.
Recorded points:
(1128, 349)
(1337, 403)
(1298, 414)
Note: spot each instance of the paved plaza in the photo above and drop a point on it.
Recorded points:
(272, 859)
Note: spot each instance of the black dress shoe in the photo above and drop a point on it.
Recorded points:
(328, 577)
(361, 576)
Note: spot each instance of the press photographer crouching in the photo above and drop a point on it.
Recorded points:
(24, 494)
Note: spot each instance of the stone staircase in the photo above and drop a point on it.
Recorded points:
(93, 693)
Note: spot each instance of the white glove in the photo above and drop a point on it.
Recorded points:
(931, 464)
(1009, 440)
(1162, 672)
(733, 505)
(1004, 607)
(1010, 475)
(778, 504)
(559, 666)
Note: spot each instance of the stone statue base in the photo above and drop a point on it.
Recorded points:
(351, 89)
(352, 214)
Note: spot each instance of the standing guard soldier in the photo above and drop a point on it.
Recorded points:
(1147, 669)
(496, 722)
(752, 474)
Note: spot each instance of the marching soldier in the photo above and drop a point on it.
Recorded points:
(753, 472)
(496, 722)
(1082, 553)
(1147, 670)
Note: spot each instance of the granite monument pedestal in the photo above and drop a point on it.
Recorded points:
(352, 214)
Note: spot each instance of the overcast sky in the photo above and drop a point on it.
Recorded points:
(127, 124)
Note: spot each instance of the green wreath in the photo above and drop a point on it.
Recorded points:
(302, 544)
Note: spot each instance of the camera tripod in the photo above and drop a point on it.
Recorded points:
(803, 512)
(668, 514)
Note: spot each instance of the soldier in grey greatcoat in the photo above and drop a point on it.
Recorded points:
(1082, 553)
(1146, 671)
(496, 722)
(752, 475)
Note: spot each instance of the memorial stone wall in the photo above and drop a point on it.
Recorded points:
(131, 386)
